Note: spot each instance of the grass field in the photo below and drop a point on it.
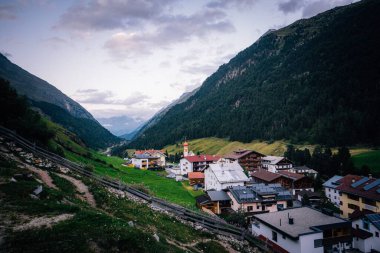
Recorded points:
(156, 182)
(371, 159)
(217, 146)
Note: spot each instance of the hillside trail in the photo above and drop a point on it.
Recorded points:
(85, 193)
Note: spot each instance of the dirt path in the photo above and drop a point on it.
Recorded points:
(82, 188)
(44, 176)
(43, 221)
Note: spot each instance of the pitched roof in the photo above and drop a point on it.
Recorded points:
(218, 196)
(265, 175)
(257, 192)
(144, 156)
(374, 218)
(275, 159)
(148, 151)
(303, 167)
(202, 158)
(360, 186)
(291, 175)
(203, 199)
(332, 182)
(360, 233)
(226, 172)
(196, 175)
(237, 154)
(306, 220)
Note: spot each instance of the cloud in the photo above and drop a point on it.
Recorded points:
(290, 6)
(112, 14)
(7, 12)
(97, 97)
(169, 30)
(223, 4)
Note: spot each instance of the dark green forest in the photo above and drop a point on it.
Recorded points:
(89, 131)
(316, 81)
(16, 115)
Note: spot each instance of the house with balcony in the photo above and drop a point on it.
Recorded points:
(302, 229)
(358, 193)
(214, 201)
(148, 158)
(196, 163)
(366, 232)
(250, 160)
(276, 163)
(330, 190)
(259, 198)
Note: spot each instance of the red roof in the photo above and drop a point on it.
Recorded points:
(237, 154)
(346, 187)
(196, 175)
(202, 158)
(291, 175)
(265, 175)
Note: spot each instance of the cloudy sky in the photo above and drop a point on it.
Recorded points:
(133, 57)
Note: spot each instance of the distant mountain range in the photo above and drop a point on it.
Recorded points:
(314, 81)
(121, 125)
(56, 105)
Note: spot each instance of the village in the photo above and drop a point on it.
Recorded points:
(278, 201)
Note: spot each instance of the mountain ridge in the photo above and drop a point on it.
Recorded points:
(308, 82)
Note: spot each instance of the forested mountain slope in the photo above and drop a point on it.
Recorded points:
(315, 81)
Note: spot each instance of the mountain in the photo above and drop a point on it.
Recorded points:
(120, 125)
(56, 105)
(37, 89)
(159, 115)
(314, 81)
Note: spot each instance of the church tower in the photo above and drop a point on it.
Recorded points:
(185, 149)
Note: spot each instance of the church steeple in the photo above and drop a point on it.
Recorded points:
(185, 149)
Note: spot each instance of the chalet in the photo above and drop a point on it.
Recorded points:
(250, 160)
(145, 161)
(224, 174)
(157, 155)
(196, 178)
(303, 229)
(330, 190)
(196, 163)
(365, 231)
(291, 181)
(215, 201)
(358, 193)
(314, 198)
(276, 163)
(259, 198)
(305, 171)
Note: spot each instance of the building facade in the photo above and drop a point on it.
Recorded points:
(303, 229)
(250, 160)
(358, 193)
(224, 174)
(196, 163)
(366, 231)
(330, 190)
(276, 163)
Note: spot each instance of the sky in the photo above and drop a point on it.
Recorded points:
(134, 57)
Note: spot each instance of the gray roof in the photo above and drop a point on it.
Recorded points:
(374, 219)
(331, 183)
(218, 196)
(144, 156)
(306, 220)
(255, 192)
(228, 172)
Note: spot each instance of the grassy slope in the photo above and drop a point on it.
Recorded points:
(222, 146)
(371, 159)
(110, 219)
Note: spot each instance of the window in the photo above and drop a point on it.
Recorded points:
(249, 208)
(257, 207)
(334, 191)
(274, 236)
(283, 237)
(341, 203)
(353, 207)
(365, 224)
(357, 226)
(318, 243)
(377, 234)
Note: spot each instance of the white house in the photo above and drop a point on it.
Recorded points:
(276, 163)
(305, 171)
(330, 189)
(366, 231)
(224, 174)
(303, 229)
(196, 163)
(152, 156)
